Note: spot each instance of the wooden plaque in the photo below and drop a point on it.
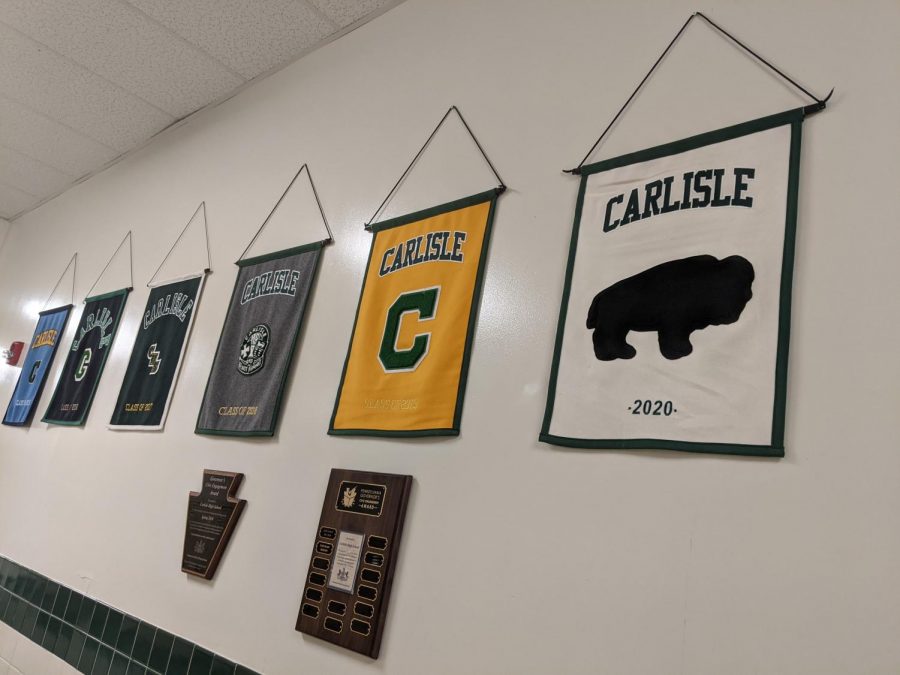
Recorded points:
(351, 570)
(211, 518)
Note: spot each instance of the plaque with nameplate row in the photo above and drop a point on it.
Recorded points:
(212, 516)
(351, 570)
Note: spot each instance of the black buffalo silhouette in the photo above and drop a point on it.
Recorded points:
(674, 298)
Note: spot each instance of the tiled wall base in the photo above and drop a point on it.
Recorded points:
(21, 656)
(52, 629)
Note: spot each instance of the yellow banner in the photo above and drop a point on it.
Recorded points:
(406, 368)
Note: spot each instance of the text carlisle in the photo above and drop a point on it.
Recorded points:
(431, 247)
(695, 190)
(101, 320)
(46, 338)
(277, 282)
(174, 304)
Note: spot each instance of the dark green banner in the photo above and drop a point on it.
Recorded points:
(156, 357)
(86, 358)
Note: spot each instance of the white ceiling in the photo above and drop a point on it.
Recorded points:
(84, 81)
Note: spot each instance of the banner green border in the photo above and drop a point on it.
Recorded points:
(276, 415)
(284, 253)
(776, 447)
(115, 331)
(480, 198)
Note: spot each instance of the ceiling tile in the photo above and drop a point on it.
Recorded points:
(49, 141)
(84, 81)
(345, 12)
(126, 47)
(61, 89)
(250, 37)
(27, 174)
(14, 201)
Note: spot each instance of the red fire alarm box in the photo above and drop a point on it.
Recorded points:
(14, 353)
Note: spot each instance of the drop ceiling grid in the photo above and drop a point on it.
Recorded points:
(250, 38)
(47, 81)
(15, 200)
(49, 141)
(85, 81)
(17, 168)
(138, 55)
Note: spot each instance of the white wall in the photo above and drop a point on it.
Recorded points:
(518, 557)
(4, 228)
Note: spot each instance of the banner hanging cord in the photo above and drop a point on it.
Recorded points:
(72, 261)
(819, 102)
(281, 199)
(112, 257)
(183, 230)
(501, 185)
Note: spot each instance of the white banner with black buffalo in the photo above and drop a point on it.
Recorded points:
(156, 357)
(673, 329)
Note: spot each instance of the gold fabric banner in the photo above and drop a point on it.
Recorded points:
(405, 372)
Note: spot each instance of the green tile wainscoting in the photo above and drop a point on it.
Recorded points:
(94, 638)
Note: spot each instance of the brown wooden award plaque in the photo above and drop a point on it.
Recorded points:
(348, 583)
(211, 518)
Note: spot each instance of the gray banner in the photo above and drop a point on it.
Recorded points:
(243, 394)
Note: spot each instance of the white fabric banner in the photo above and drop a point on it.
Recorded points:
(675, 317)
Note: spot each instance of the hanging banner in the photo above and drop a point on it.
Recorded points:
(38, 361)
(405, 372)
(81, 373)
(244, 392)
(156, 357)
(673, 330)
